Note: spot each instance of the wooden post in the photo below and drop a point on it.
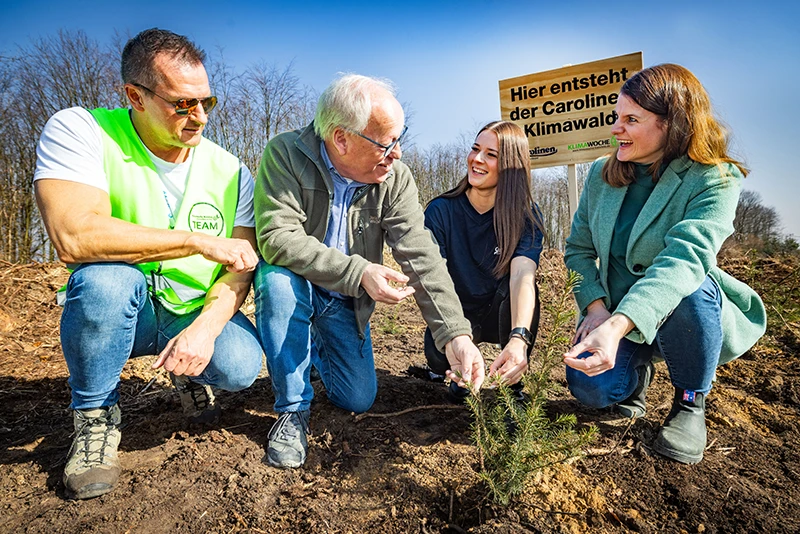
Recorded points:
(572, 188)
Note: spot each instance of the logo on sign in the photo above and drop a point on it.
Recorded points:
(539, 151)
(589, 145)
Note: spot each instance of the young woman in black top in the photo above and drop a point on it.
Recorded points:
(490, 233)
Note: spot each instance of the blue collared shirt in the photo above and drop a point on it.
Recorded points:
(343, 191)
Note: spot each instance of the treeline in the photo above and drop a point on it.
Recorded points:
(758, 227)
(70, 69)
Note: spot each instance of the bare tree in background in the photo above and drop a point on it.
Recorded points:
(53, 73)
(437, 169)
(551, 194)
(758, 227)
(255, 106)
(754, 220)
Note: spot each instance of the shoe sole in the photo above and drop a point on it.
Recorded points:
(291, 465)
(90, 491)
(678, 456)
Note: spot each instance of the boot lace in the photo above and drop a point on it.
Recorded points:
(289, 427)
(93, 445)
(199, 396)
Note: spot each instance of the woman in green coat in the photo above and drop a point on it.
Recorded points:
(645, 238)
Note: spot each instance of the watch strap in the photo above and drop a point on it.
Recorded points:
(523, 333)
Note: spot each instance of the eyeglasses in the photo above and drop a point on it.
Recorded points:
(387, 149)
(184, 106)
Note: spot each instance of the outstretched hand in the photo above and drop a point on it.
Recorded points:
(512, 362)
(602, 343)
(596, 314)
(375, 282)
(189, 352)
(466, 362)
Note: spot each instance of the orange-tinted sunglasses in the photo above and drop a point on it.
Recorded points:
(184, 106)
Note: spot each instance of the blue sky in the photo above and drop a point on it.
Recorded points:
(446, 57)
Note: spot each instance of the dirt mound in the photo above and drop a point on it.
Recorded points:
(413, 472)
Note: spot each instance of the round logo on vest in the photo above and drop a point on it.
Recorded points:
(206, 218)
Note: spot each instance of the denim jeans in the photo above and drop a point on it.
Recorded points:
(301, 325)
(109, 317)
(690, 341)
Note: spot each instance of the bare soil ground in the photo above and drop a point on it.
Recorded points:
(414, 472)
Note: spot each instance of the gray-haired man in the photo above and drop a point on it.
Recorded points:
(327, 199)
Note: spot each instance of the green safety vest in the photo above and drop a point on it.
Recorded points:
(137, 196)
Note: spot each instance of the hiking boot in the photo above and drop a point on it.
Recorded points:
(198, 401)
(288, 444)
(683, 436)
(634, 406)
(92, 465)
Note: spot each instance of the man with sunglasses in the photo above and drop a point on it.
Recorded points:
(327, 199)
(156, 224)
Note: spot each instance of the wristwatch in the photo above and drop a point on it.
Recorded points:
(523, 333)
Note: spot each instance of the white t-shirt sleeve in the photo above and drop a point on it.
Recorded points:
(245, 214)
(71, 148)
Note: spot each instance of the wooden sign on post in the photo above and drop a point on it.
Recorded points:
(567, 113)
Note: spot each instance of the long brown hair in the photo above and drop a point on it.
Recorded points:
(678, 98)
(513, 199)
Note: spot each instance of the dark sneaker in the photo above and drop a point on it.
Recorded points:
(288, 444)
(92, 464)
(198, 401)
(683, 436)
(424, 373)
(634, 406)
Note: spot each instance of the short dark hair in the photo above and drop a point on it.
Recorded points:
(138, 56)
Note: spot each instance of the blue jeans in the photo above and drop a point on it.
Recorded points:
(690, 341)
(301, 325)
(109, 317)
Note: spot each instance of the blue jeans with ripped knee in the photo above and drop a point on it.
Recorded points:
(690, 341)
(109, 317)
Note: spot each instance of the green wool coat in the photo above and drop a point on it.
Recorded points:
(672, 248)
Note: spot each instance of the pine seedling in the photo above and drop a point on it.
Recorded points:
(516, 439)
